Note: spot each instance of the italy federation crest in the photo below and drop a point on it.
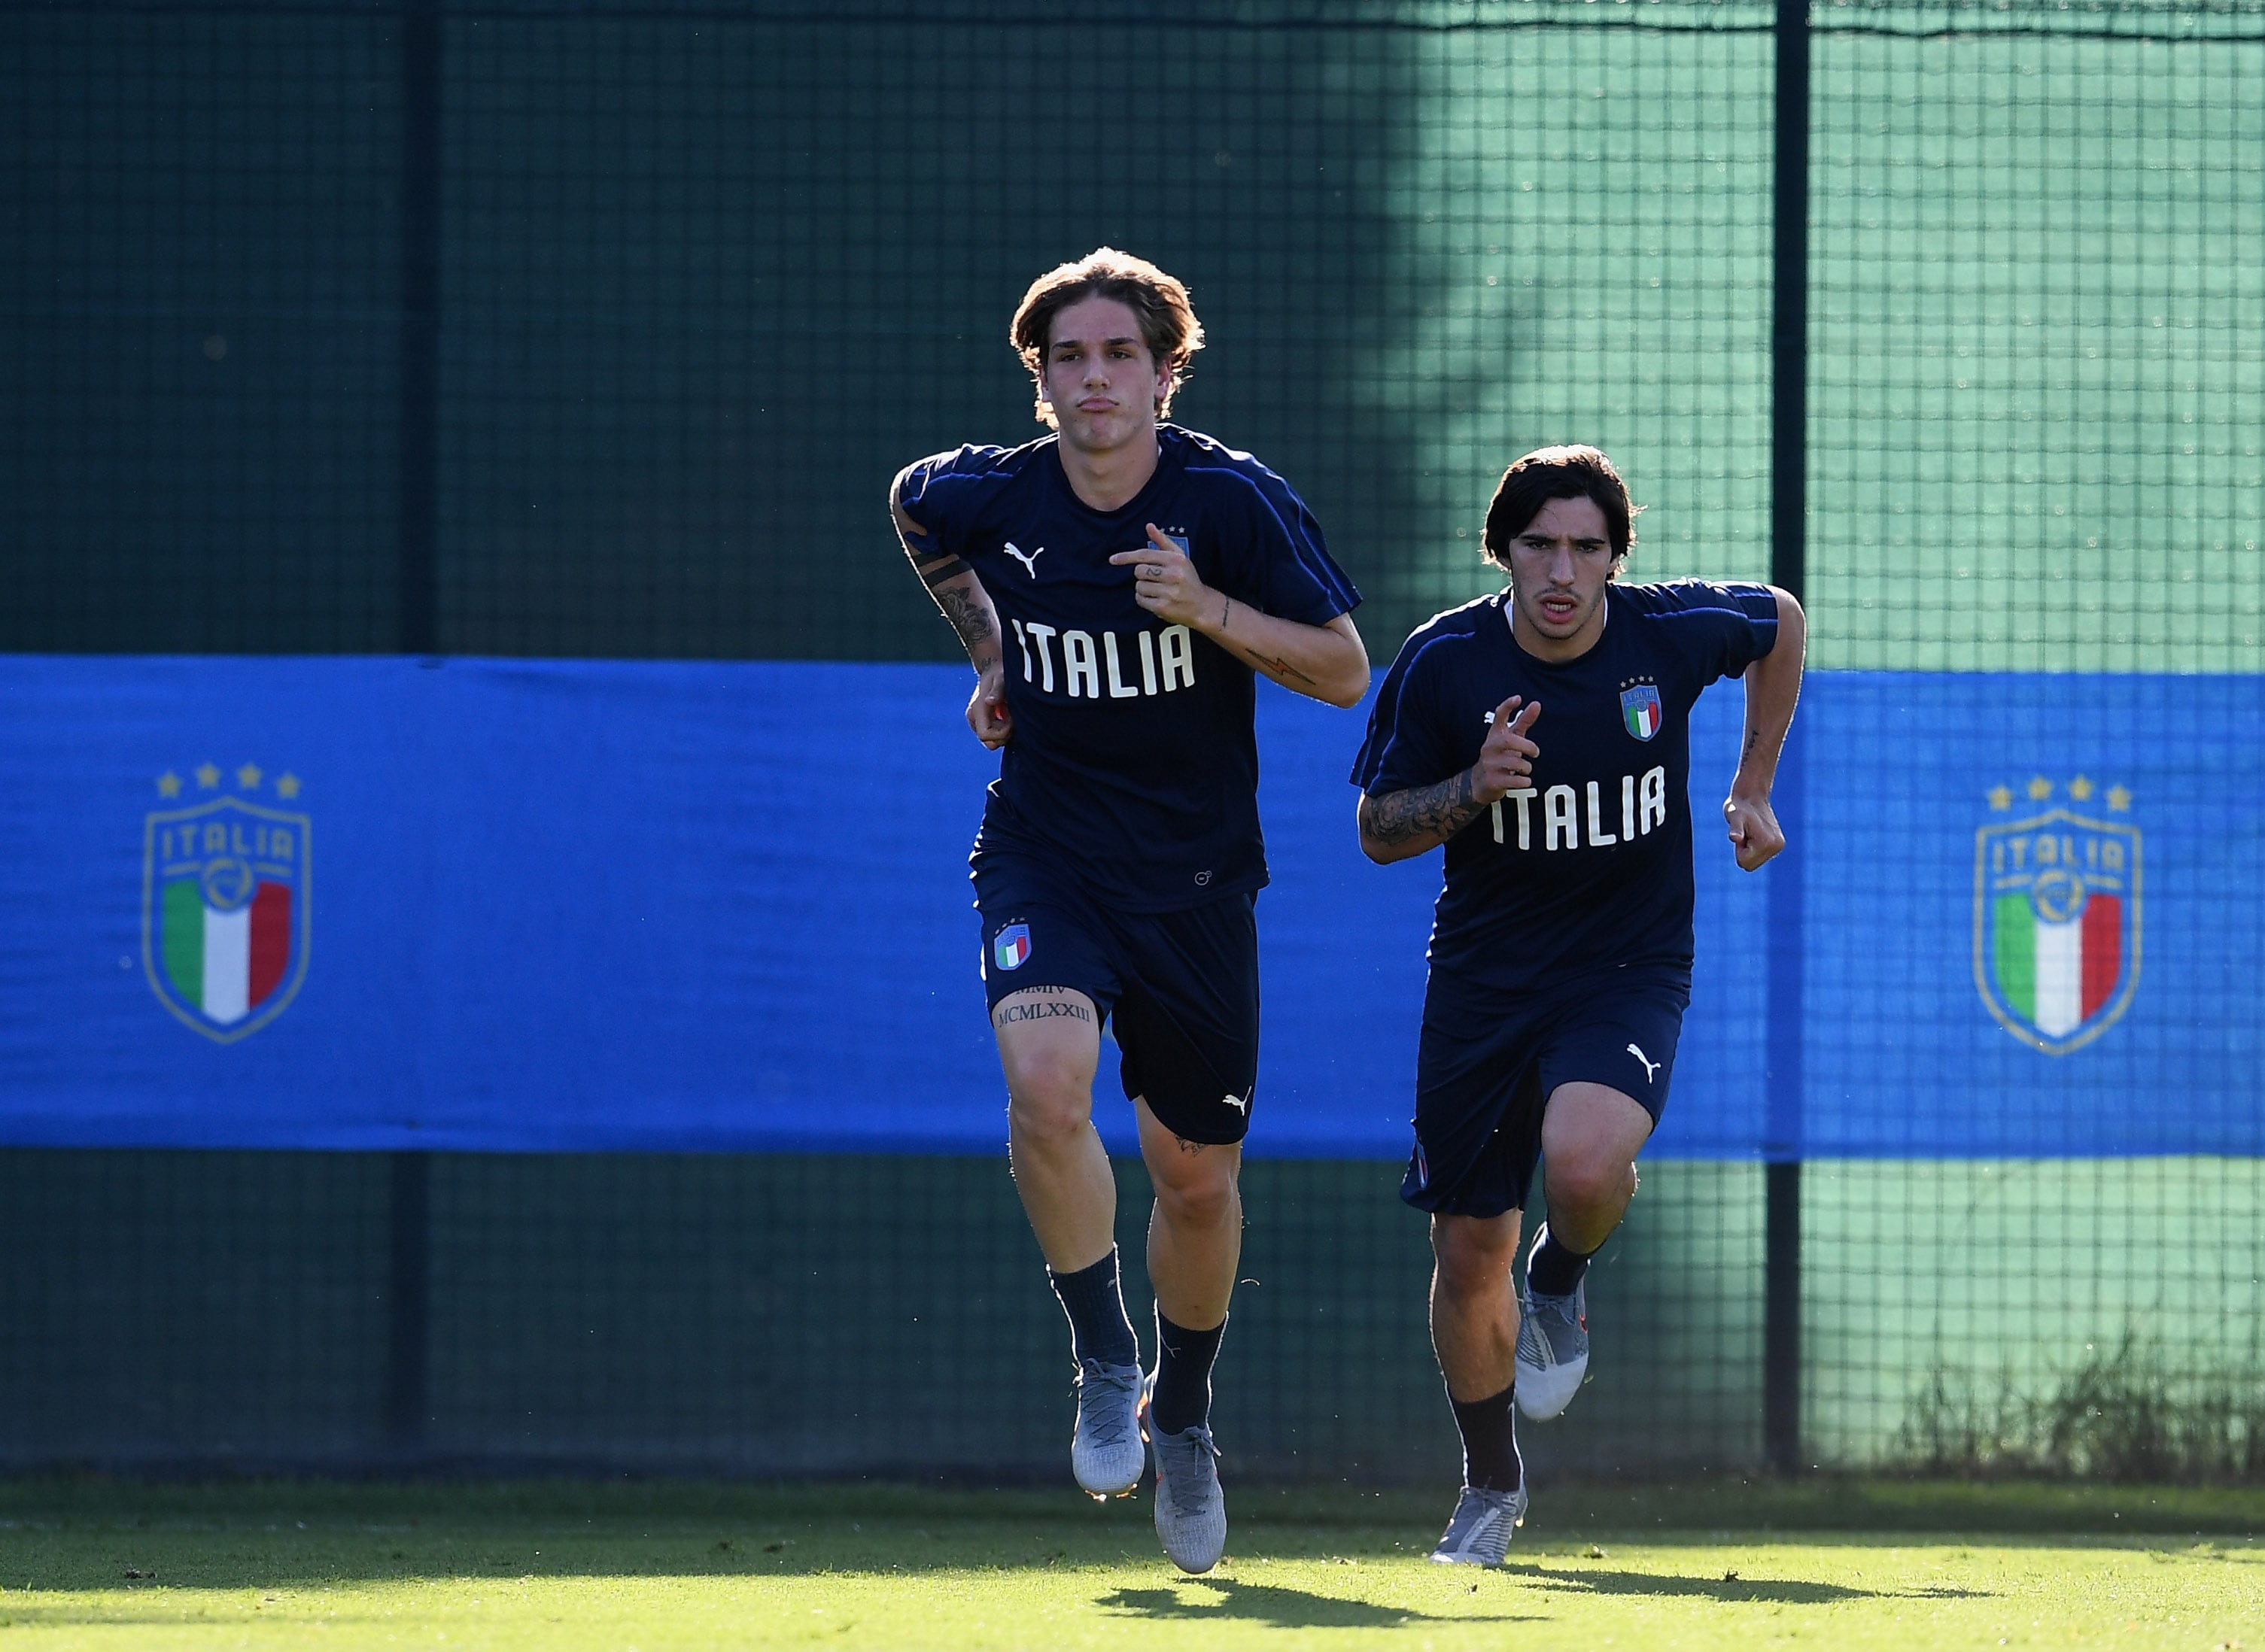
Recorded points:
(225, 889)
(2057, 921)
(1012, 949)
(1640, 710)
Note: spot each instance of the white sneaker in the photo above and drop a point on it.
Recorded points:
(1479, 1533)
(1105, 1452)
(1191, 1507)
(1553, 1352)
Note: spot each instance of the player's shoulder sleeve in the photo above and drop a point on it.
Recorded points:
(1719, 628)
(1273, 554)
(944, 494)
(1407, 744)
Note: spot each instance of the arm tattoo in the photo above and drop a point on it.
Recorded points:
(1442, 810)
(1275, 666)
(1279, 669)
(951, 568)
(968, 617)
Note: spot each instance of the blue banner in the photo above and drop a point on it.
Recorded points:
(527, 906)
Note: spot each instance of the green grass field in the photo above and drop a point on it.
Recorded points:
(649, 1566)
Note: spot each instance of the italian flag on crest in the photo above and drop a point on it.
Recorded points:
(1640, 710)
(2057, 907)
(227, 960)
(2057, 975)
(224, 913)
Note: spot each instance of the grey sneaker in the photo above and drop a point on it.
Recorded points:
(1190, 1507)
(1479, 1535)
(1553, 1352)
(1105, 1454)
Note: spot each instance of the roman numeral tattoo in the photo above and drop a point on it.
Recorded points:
(1009, 1014)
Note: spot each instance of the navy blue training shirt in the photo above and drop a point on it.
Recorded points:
(1592, 867)
(1132, 758)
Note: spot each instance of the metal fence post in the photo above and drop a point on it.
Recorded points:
(410, 1219)
(1781, 1371)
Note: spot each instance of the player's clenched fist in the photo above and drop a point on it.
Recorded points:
(1506, 760)
(986, 708)
(1164, 581)
(1755, 833)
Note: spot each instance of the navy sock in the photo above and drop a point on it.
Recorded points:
(1490, 1458)
(1099, 1329)
(1550, 1269)
(1183, 1362)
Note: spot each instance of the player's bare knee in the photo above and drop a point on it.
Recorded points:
(1474, 1258)
(1201, 1200)
(1466, 1278)
(1194, 1180)
(1045, 1073)
(1590, 1187)
(1048, 1082)
(1049, 1105)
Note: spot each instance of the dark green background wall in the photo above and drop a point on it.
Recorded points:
(704, 284)
(708, 273)
(704, 281)
(775, 1314)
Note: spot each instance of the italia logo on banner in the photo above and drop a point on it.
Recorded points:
(1639, 708)
(225, 889)
(2056, 916)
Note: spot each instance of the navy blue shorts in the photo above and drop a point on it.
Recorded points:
(1179, 989)
(1487, 1066)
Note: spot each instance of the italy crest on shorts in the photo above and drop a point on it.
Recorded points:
(1012, 947)
(2056, 909)
(1640, 710)
(225, 888)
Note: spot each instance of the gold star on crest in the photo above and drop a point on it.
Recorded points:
(2001, 797)
(248, 776)
(169, 784)
(2040, 789)
(2079, 788)
(208, 776)
(286, 785)
(2118, 799)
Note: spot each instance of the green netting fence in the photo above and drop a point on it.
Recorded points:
(596, 330)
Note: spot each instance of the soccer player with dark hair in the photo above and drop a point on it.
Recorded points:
(1542, 734)
(1118, 586)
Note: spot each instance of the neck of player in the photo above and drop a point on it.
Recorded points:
(1108, 478)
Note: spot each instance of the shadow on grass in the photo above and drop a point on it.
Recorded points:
(1282, 1608)
(86, 1533)
(1672, 1586)
(1814, 1508)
